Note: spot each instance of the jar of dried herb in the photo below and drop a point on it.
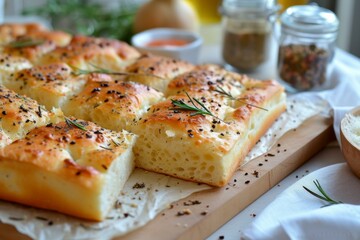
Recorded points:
(247, 29)
(306, 48)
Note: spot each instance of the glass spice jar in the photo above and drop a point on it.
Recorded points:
(306, 47)
(247, 29)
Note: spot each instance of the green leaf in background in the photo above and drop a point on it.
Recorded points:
(88, 18)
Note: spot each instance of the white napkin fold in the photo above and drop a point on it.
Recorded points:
(296, 214)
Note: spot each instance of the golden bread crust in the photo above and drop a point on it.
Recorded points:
(68, 161)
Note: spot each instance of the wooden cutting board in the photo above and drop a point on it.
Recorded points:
(208, 210)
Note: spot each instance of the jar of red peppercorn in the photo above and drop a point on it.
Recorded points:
(306, 48)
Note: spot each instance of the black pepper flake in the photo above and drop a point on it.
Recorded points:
(270, 155)
(260, 164)
(72, 142)
(138, 185)
(104, 167)
(96, 90)
(255, 173)
(247, 182)
(191, 135)
(190, 203)
(88, 135)
(3, 112)
(204, 213)
(221, 237)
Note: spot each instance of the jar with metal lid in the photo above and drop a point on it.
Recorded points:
(306, 47)
(247, 29)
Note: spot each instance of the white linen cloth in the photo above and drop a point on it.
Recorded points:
(295, 214)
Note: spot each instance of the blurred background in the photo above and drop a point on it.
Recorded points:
(115, 18)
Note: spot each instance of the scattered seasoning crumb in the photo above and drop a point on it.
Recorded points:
(255, 173)
(266, 160)
(246, 174)
(297, 176)
(247, 182)
(204, 213)
(285, 150)
(278, 185)
(183, 212)
(138, 185)
(227, 188)
(260, 164)
(221, 237)
(163, 214)
(50, 223)
(271, 155)
(190, 203)
(279, 145)
(207, 206)
(253, 215)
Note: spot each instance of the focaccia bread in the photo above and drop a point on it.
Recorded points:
(67, 169)
(19, 115)
(11, 64)
(208, 147)
(51, 85)
(113, 104)
(91, 53)
(156, 71)
(193, 122)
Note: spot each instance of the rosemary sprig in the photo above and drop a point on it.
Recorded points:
(324, 196)
(25, 43)
(180, 105)
(243, 100)
(71, 123)
(97, 69)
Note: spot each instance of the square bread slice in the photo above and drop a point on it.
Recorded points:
(207, 148)
(86, 52)
(19, 115)
(73, 167)
(156, 71)
(51, 85)
(113, 104)
(9, 65)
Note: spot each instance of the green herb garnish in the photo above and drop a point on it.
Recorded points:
(25, 43)
(243, 100)
(71, 123)
(97, 69)
(324, 196)
(181, 105)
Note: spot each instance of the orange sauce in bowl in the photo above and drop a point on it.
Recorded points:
(167, 42)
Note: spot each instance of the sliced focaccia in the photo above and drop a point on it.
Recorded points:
(113, 104)
(208, 144)
(11, 31)
(89, 53)
(156, 71)
(19, 115)
(50, 85)
(9, 65)
(73, 167)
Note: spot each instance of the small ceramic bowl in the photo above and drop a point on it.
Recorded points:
(170, 42)
(350, 139)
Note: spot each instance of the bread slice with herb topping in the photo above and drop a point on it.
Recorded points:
(51, 85)
(90, 53)
(204, 133)
(113, 104)
(156, 71)
(19, 115)
(74, 167)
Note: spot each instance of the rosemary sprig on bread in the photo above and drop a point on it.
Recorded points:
(243, 100)
(180, 105)
(25, 43)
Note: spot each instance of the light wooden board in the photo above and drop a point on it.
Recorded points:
(221, 204)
